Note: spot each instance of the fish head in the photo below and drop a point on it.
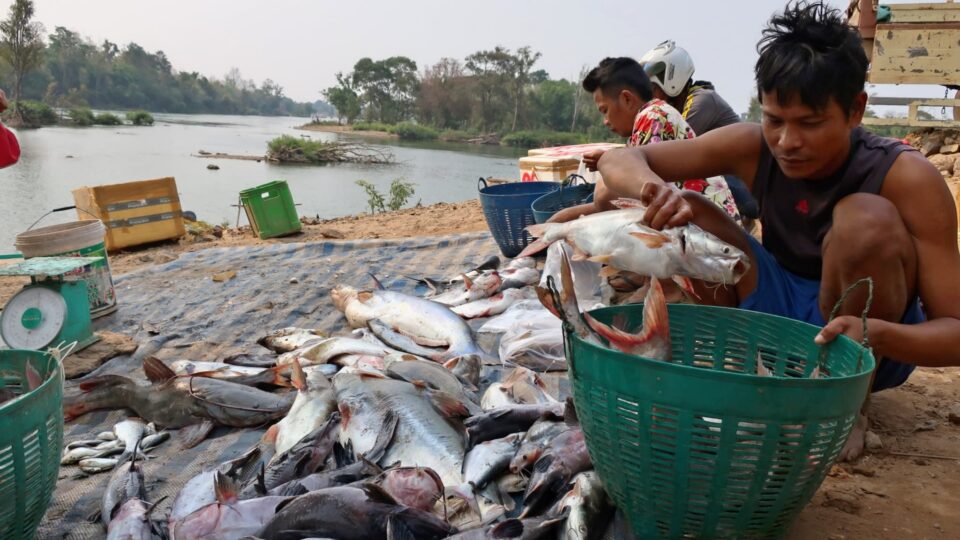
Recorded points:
(342, 295)
(489, 282)
(106, 391)
(710, 258)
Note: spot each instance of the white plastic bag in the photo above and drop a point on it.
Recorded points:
(514, 315)
(536, 342)
(592, 177)
(587, 282)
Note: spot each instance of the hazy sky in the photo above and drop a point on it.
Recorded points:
(301, 44)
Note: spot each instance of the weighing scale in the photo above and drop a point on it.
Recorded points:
(53, 309)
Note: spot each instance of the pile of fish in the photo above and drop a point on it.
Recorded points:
(129, 439)
(390, 431)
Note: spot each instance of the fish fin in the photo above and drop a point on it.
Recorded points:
(446, 404)
(602, 259)
(398, 530)
(467, 281)
(492, 263)
(279, 378)
(609, 272)
(656, 317)
(534, 247)
(156, 370)
(376, 282)
(510, 528)
(247, 464)
(103, 380)
(570, 417)
(270, 436)
(384, 437)
(194, 434)
(651, 240)
(536, 230)
(579, 254)
(299, 378)
(686, 284)
(624, 202)
(225, 488)
(378, 494)
(34, 380)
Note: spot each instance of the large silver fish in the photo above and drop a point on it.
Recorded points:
(491, 306)
(315, 401)
(480, 287)
(619, 239)
(521, 387)
(132, 522)
(228, 518)
(423, 436)
(349, 513)
(586, 506)
(486, 461)
(176, 402)
(125, 484)
(408, 322)
(200, 490)
(409, 368)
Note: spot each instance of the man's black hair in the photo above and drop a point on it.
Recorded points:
(614, 75)
(809, 49)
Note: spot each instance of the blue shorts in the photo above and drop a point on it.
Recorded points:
(780, 292)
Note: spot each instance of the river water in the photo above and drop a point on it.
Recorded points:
(56, 160)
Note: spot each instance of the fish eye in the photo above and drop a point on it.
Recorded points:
(726, 251)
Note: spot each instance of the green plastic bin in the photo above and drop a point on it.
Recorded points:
(702, 447)
(31, 439)
(270, 209)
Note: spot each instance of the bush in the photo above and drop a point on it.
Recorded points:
(372, 126)
(107, 119)
(414, 132)
(140, 118)
(540, 139)
(81, 116)
(35, 114)
(400, 193)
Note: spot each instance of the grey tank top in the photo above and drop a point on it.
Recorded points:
(797, 214)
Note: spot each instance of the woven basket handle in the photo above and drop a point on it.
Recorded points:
(572, 180)
(866, 309)
(481, 184)
(567, 327)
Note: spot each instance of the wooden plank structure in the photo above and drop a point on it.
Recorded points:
(916, 44)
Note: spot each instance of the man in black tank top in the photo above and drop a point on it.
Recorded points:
(837, 204)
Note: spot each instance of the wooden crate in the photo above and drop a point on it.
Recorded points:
(134, 213)
(919, 45)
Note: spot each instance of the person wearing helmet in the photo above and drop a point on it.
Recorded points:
(839, 204)
(624, 96)
(670, 69)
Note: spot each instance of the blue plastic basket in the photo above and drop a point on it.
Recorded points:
(507, 210)
(568, 195)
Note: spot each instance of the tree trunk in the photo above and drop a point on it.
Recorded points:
(516, 108)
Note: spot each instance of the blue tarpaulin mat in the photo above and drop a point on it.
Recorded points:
(177, 310)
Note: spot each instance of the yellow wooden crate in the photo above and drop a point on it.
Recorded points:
(134, 213)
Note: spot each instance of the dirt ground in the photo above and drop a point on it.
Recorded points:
(908, 489)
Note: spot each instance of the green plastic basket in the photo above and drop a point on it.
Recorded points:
(31, 439)
(701, 447)
(270, 209)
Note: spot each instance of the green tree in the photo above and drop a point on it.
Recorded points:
(21, 45)
(520, 66)
(386, 88)
(344, 99)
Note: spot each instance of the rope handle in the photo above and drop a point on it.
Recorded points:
(865, 341)
(61, 209)
(571, 181)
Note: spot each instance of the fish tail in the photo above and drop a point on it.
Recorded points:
(656, 318)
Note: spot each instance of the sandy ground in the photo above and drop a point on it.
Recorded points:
(908, 489)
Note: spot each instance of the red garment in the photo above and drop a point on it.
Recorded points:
(9, 147)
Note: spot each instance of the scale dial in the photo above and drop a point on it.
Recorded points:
(33, 318)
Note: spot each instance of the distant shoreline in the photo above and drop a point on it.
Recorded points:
(347, 129)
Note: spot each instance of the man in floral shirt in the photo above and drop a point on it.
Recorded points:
(624, 96)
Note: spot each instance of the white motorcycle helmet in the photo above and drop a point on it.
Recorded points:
(668, 66)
